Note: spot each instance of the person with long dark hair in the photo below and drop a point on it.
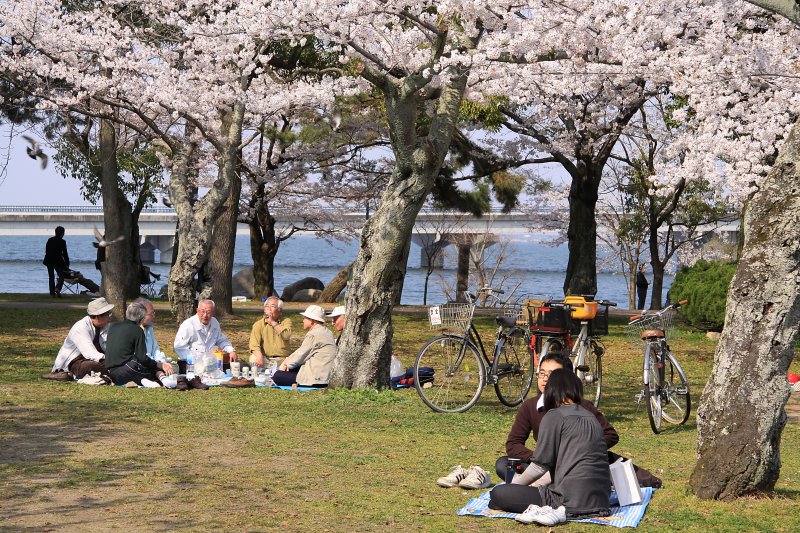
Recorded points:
(572, 449)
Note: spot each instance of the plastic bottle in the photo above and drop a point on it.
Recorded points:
(189, 367)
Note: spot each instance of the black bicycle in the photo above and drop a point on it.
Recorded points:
(451, 370)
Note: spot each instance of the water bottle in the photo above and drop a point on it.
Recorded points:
(511, 469)
(189, 367)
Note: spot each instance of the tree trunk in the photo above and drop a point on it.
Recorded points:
(335, 286)
(121, 277)
(581, 275)
(223, 238)
(365, 346)
(657, 287)
(399, 292)
(462, 272)
(741, 415)
(263, 248)
(223, 246)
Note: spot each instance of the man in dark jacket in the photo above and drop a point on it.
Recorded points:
(641, 286)
(126, 352)
(530, 415)
(56, 259)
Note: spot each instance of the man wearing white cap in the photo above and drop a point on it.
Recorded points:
(310, 365)
(338, 318)
(83, 351)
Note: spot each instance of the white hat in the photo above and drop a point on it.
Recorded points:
(314, 312)
(337, 311)
(99, 306)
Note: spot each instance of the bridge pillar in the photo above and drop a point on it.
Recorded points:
(162, 243)
(431, 247)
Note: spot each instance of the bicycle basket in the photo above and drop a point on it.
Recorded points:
(552, 320)
(662, 321)
(599, 324)
(517, 312)
(450, 316)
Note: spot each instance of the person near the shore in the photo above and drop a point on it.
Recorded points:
(337, 316)
(572, 449)
(83, 351)
(310, 365)
(641, 286)
(126, 352)
(271, 334)
(529, 418)
(201, 334)
(56, 259)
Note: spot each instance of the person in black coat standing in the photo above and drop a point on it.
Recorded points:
(56, 259)
(641, 286)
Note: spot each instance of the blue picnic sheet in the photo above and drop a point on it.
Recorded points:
(271, 385)
(628, 516)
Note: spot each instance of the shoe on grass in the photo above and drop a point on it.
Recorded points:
(182, 383)
(196, 383)
(477, 478)
(457, 473)
(545, 515)
(58, 375)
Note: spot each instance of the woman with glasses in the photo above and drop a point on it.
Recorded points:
(571, 448)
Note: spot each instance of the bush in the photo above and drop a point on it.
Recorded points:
(705, 285)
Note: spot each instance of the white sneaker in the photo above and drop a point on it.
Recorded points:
(457, 473)
(477, 478)
(546, 515)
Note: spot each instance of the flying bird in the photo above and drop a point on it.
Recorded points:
(35, 151)
(101, 239)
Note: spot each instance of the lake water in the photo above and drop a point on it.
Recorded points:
(538, 267)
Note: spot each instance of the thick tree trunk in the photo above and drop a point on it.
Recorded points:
(462, 272)
(581, 275)
(223, 246)
(335, 286)
(657, 287)
(741, 415)
(121, 277)
(263, 249)
(223, 238)
(365, 346)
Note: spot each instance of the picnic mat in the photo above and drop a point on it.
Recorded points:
(628, 516)
(271, 385)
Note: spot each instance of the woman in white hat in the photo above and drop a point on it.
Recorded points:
(310, 365)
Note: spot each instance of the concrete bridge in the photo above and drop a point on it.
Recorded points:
(433, 229)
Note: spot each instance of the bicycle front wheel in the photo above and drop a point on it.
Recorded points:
(652, 391)
(514, 369)
(675, 400)
(591, 373)
(449, 374)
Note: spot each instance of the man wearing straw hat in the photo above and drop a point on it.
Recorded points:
(84, 348)
(310, 365)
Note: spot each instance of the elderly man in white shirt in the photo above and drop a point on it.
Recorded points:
(83, 349)
(201, 334)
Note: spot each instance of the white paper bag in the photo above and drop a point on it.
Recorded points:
(625, 483)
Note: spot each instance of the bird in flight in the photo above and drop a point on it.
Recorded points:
(35, 151)
(101, 239)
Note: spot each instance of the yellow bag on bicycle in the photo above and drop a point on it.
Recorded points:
(581, 309)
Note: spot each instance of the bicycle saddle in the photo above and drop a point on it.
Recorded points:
(508, 322)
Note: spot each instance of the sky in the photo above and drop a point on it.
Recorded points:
(23, 182)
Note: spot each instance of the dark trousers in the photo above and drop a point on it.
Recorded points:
(80, 367)
(287, 378)
(52, 272)
(641, 292)
(132, 370)
(644, 476)
(514, 498)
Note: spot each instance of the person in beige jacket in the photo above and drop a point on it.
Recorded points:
(310, 365)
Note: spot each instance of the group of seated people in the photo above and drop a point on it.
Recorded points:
(127, 351)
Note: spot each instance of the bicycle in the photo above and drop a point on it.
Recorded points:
(666, 388)
(451, 370)
(555, 323)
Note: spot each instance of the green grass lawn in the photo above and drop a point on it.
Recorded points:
(101, 458)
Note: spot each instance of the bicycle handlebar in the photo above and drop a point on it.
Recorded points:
(656, 313)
